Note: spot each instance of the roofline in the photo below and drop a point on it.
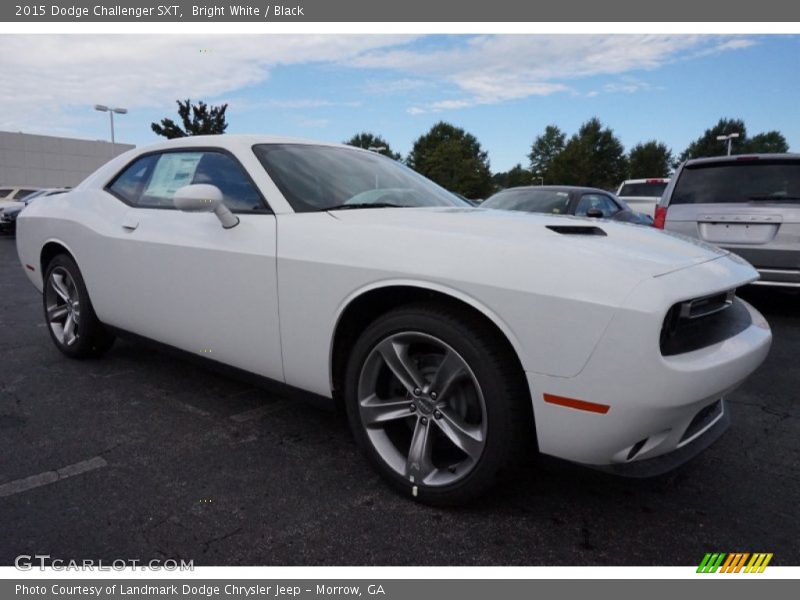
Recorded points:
(735, 157)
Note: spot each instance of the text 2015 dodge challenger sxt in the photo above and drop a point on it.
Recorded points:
(452, 334)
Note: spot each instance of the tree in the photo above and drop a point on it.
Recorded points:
(650, 159)
(454, 159)
(370, 141)
(592, 157)
(708, 144)
(198, 119)
(769, 141)
(544, 150)
(514, 177)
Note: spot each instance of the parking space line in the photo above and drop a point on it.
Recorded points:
(34, 481)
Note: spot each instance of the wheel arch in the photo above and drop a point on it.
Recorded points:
(365, 305)
(50, 250)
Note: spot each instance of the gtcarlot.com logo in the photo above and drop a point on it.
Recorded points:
(736, 562)
(26, 562)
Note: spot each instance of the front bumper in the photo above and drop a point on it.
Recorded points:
(651, 400)
(658, 465)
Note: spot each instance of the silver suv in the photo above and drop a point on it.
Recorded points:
(748, 204)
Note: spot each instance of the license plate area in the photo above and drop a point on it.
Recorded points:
(738, 229)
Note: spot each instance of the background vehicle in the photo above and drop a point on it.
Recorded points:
(566, 200)
(747, 204)
(11, 193)
(453, 336)
(642, 195)
(10, 210)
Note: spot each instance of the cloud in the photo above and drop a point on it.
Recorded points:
(51, 74)
(245, 104)
(395, 86)
(494, 69)
(628, 85)
(309, 123)
(52, 81)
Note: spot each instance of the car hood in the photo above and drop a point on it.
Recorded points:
(644, 249)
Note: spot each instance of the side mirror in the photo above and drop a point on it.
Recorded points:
(594, 213)
(201, 197)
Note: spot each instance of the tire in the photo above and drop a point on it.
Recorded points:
(442, 447)
(71, 320)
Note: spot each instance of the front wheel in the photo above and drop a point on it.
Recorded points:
(436, 403)
(73, 325)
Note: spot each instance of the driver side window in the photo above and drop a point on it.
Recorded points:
(599, 202)
(152, 180)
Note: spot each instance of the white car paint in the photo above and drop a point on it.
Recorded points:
(583, 313)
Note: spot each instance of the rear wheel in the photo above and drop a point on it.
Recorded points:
(73, 325)
(436, 403)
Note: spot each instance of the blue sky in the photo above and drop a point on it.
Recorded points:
(502, 88)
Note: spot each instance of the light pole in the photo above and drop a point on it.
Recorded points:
(538, 175)
(111, 111)
(377, 150)
(729, 139)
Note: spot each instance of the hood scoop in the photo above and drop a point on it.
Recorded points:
(577, 230)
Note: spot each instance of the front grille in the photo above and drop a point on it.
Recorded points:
(702, 322)
(702, 419)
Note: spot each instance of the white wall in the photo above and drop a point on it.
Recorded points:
(47, 161)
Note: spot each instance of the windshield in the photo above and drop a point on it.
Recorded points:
(741, 181)
(540, 201)
(653, 190)
(315, 178)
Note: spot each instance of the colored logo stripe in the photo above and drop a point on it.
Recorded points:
(734, 562)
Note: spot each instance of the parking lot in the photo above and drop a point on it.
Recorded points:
(187, 463)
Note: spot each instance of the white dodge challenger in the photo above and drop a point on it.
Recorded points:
(452, 335)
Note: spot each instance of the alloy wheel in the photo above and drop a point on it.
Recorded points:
(422, 408)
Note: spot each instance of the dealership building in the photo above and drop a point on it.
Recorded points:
(45, 161)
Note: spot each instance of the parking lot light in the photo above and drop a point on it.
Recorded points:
(111, 111)
(729, 139)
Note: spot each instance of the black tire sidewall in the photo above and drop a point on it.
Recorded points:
(91, 336)
(493, 383)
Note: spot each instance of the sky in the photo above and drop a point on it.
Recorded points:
(504, 89)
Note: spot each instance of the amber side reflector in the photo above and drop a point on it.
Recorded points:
(577, 404)
(30, 268)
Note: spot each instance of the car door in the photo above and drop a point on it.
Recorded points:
(180, 278)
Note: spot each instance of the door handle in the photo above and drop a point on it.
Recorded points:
(130, 223)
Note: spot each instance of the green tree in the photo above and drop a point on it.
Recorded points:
(369, 141)
(544, 150)
(454, 159)
(649, 159)
(767, 142)
(708, 144)
(514, 177)
(592, 157)
(197, 119)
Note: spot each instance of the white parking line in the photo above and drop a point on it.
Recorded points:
(34, 481)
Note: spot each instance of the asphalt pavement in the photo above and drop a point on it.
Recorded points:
(141, 455)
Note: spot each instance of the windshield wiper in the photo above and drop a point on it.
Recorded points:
(364, 205)
(771, 197)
